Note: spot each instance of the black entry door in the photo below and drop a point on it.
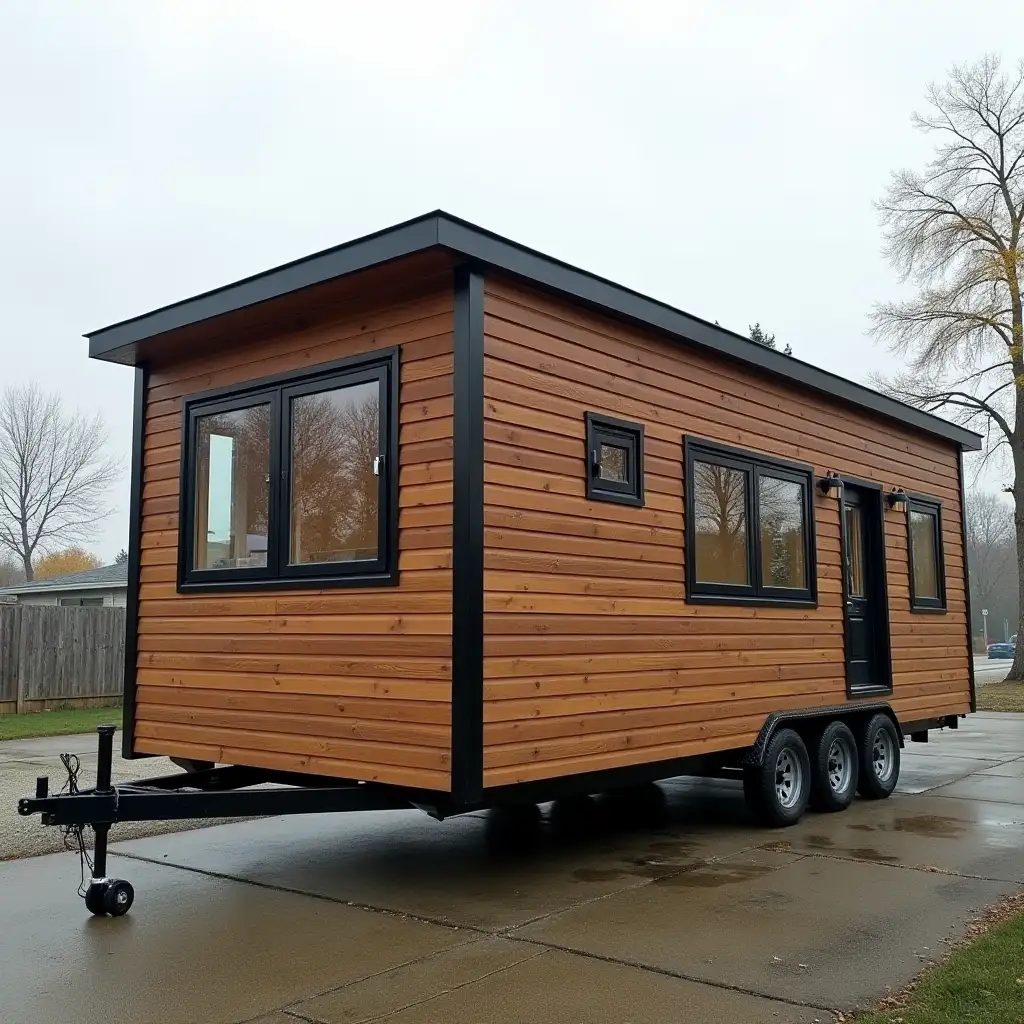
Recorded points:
(867, 666)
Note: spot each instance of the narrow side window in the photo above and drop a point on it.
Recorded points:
(927, 577)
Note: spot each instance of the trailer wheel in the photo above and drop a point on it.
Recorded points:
(118, 897)
(778, 791)
(94, 900)
(834, 768)
(879, 750)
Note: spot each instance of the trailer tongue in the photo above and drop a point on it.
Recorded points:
(228, 792)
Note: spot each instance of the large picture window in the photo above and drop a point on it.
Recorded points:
(927, 575)
(749, 527)
(292, 479)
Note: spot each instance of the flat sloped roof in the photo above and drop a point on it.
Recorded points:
(120, 342)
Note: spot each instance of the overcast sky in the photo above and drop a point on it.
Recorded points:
(720, 157)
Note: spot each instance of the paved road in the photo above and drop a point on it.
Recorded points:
(994, 671)
(398, 918)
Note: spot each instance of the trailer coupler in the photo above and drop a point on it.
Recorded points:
(224, 792)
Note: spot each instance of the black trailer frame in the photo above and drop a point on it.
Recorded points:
(238, 791)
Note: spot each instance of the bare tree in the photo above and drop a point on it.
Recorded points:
(955, 232)
(11, 572)
(54, 474)
(991, 556)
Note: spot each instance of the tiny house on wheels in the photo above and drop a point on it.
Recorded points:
(434, 519)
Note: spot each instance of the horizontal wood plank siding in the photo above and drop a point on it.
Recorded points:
(592, 657)
(351, 682)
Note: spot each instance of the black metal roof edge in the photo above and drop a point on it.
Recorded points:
(599, 292)
(390, 243)
(466, 239)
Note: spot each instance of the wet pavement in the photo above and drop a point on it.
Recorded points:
(393, 916)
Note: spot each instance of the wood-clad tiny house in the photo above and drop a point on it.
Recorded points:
(434, 510)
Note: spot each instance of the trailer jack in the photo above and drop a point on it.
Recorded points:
(226, 792)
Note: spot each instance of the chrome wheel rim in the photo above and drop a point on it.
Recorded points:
(839, 766)
(882, 755)
(788, 778)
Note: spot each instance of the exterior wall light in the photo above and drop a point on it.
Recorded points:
(829, 481)
(897, 496)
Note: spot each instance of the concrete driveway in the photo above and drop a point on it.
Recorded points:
(396, 917)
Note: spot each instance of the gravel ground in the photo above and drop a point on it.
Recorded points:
(21, 761)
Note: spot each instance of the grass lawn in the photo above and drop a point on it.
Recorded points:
(56, 723)
(982, 982)
(1001, 697)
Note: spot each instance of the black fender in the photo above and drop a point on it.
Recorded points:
(753, 757)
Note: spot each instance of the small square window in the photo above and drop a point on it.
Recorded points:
(615, 456)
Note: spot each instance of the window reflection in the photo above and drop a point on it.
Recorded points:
(720, 524)
(335, 437)
(232, 488)
(923, 545)
(614, 463)
(780, 513)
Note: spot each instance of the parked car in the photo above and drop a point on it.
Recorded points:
(1000, 650)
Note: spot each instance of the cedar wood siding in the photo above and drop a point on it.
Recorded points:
(592, 657)
(352, 682)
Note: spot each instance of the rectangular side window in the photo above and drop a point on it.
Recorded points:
(289, 480)
(749, 528)
(615, 460)
(927, 576)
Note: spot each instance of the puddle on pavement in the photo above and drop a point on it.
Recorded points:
(935, 826)
(819, 842)
(635, 867)
(869, 853)
(777, 846)
(713, 876)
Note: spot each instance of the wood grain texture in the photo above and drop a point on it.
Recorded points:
(593, 658)
(352, 682)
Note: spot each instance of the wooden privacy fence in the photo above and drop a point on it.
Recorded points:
(51, 656)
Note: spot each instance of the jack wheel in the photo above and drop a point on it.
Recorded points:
(118, 898)
(94, 899)
(114, 898)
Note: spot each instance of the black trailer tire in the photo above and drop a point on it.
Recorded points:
(118, 897)
(94, 900)
(778, 791)
(878, 746)
(834, 768)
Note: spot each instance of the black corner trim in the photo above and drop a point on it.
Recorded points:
(467, 765)
(131, 634)
(967, 582)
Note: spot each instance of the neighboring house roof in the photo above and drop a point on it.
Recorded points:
(122, 342)
(106, 577)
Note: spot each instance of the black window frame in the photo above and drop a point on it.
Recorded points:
(601, 429)
(754, 465)
(928, 506)
(278, 390)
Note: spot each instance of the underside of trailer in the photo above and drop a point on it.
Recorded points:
(818, 759)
